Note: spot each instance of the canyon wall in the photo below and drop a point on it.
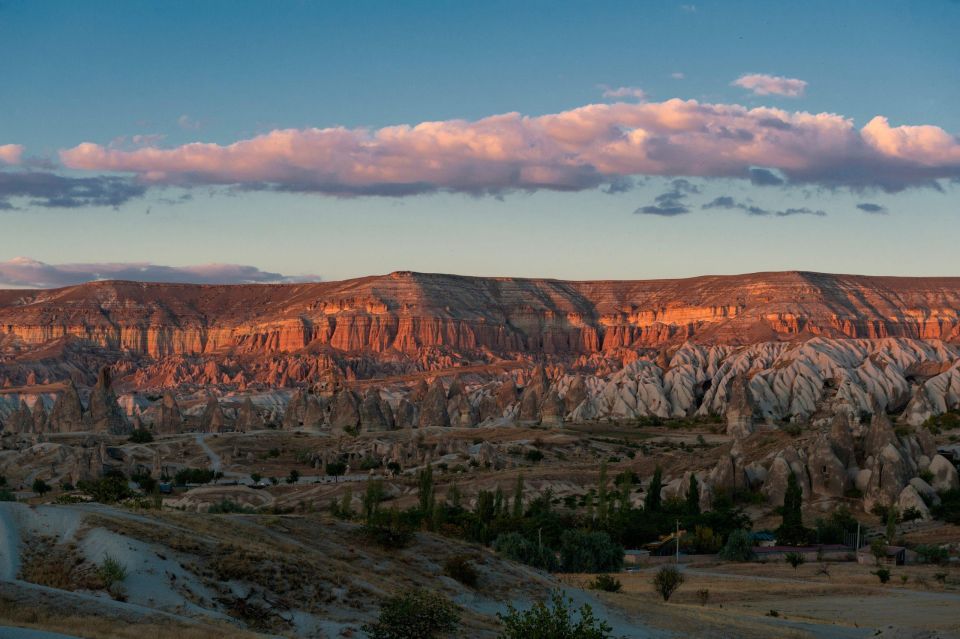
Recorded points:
(408, 311)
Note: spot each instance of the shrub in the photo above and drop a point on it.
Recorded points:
(912, 513)
(533, 455)
(589, 552)
(273, 453)
(418, 614)
(554, 620)
(111, 571)
(140, 436)
(106, 490)
(227, 507)
(460, 567)
(606, 583)
(703, 596)
(40, 487)
(666, 581)
(390, 536)
(738, 547)
(795, 559)
(930, 554)
(518, 548)
(293, 477)
(882, 574)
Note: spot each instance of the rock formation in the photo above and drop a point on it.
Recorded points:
(105, 413)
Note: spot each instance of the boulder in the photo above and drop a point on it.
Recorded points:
(739, 411)
(910, 498)
(372, 417)
(926, 491)
(888, 477)
(345, 412)
(828, 474)
(248, 417)
(552, 409)
(213, 419)
(944, 474)
(405, 414)
(170, 421)
(433, 408)
(105, 414)
(66, 416)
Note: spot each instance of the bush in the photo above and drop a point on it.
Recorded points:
(40, 487)
(518, 548)
(140, 436)
(553, 621)
(390, 536)
(335, 469)
(666, 581)
(460, 567)
(107, 490)
(111, 571)
(186, 476)
(228, 507)
(419, 614)
(606, 583)
(589, 552)
(738, 547)
(293, 477)
(533, 455)
(930, 554)
(795, 559)
(882, 574)
(703, 596)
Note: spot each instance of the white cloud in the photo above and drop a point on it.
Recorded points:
(763, 84)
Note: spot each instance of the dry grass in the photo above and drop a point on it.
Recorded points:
(102, 627)
(60, 566)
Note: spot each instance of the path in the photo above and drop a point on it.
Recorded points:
(215, 462)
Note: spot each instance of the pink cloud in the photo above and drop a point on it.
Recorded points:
(762, 84)
(576, 149)
(11, 153)
(24, 272)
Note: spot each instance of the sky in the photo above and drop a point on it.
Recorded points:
(286, 141)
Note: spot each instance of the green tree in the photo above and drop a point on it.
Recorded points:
(693, 497)
(892, 515)
(335, 469)
(791, 532)
(371, 500)
(589, 552)
(555, 620)
(652, 503)
(666, 581)
(40, 487)
(293, 477)
(518, 497)
(427, 496)
(738, 547)
(795, 559)
(602, 494)
(417, 614)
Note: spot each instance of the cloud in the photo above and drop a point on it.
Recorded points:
(635, 93)
(187, 123)
(763, 84)
(764, 177)
(728, 202)
(50, 190)
(582, 148)
(688, 8)
(11, 153)
(869, 207)
(670, 203)
(677, 75)
(29, 273)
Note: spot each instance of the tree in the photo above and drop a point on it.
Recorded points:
(652, 503)
(371, 500)
(335, 469)
(795, 559)
(518, 497)
(40, 487)
(693, 497)
(892, 514)
(589, 552)
(553, 621)
(427, 496)
(602, 494)
(515, 546)
(666, 581)
(878, 548)
(738, 547)
(293, 477)
(256, 477)
(791, 532)
(417, 614)
(141, 436)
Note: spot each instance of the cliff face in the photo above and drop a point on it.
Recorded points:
(408, 311)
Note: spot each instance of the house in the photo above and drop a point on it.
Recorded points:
(763, 539)
(895, 556)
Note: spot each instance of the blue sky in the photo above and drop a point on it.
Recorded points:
(133, 75)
